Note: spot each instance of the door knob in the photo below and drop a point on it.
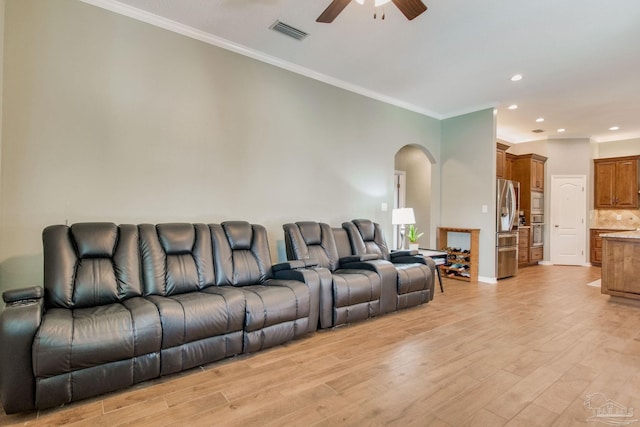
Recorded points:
(556, 226)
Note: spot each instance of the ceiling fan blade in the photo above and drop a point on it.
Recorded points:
(410, 8)
(332, 11)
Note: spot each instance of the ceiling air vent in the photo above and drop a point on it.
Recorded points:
(288, 30)
(537, 131)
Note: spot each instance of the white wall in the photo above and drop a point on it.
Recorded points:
(469, 180)
(110, 119)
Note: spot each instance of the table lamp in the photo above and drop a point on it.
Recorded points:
(402, 217)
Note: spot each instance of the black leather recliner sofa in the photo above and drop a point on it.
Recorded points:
(123, 304)
(405, 278)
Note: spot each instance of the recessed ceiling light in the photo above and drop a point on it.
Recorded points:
(516, 77)
(540, 119)
(561, 130)
(614, 128)
(512, 107)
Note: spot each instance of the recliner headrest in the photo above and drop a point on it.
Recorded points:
(367, 229)
(239, 234)
(177, 238)
(311, 232)
(95, 239)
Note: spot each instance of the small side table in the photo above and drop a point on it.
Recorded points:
(439, 257)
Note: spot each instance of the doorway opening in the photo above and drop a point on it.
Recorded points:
(412, 189)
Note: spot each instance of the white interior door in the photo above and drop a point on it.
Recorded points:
(567, 223)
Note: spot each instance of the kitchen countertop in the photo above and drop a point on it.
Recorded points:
(622, 228)
(630, 234)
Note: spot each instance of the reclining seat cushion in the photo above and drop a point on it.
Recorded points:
(201, 323)
(356, 295)
(88, 351)
(97, 326)
(277, 311)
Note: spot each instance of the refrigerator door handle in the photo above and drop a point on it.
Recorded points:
(512, 200)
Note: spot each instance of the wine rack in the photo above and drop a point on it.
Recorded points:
(462, 263)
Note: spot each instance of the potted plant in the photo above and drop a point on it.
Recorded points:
(413, 237)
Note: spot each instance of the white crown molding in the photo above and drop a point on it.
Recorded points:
(185, 30)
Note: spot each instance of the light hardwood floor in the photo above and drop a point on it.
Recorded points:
(524, 352)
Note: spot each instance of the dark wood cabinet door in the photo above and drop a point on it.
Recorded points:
(626, 187)
(605, 178)
(500, 158)
(537, 181)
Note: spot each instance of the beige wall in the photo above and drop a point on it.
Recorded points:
(110, 119)
(417, 166)
(469, 181)
(629, 147)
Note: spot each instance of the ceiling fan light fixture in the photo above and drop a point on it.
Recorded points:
(377, 3)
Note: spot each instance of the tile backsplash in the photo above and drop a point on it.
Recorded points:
(605, 218)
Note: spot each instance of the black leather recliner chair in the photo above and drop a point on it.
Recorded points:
(277, 310)
(347, 293)
(201, 322)
(416, 274)
(98, 333)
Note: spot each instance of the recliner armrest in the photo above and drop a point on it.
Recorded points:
(19, 323)
(295, 264)
(359, 258)
(409, 259)
(13, 296)
(403, 252)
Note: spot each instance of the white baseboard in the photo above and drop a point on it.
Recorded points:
(545, 263)
(488, 280)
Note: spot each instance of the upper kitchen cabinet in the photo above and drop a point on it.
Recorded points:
(501, 157)
(616, 183)
(528, 169)
(504, 162)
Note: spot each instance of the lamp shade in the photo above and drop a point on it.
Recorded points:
(402, 216)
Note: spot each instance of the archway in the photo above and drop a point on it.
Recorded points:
(415, 163)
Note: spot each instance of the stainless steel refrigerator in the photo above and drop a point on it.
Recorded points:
(507, 228)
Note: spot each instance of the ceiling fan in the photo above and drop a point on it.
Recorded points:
(410, 9)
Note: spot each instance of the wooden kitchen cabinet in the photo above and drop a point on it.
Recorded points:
(528, 170)
(508, 165)
(595, 244)
(537, 174)
(501, 160)
(523, 245)
(536, 254)
(616, 183)
(620, 266)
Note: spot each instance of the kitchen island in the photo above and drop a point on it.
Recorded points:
(621, 264)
